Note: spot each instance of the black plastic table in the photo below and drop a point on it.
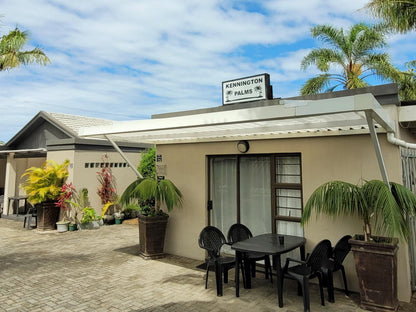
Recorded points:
(267, 244)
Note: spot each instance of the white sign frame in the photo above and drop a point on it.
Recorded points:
(246, 89)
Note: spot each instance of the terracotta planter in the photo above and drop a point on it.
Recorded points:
(376, 266)
(48, 215)
(152, 232)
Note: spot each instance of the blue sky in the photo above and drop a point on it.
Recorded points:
(129, 59)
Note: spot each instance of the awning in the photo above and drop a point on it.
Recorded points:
(335, 116)
(24, 151)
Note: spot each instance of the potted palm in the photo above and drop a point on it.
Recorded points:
(152, 194)
(382, 207)
(43, 188)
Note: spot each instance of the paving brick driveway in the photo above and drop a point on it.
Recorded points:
(99, 270)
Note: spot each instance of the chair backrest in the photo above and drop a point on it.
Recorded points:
(341, 249)
(211, 239)
(319, 254)
(238, 232)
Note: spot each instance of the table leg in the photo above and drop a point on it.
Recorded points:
(218, 278)
(279, 274)
(16, 203)
(247, 272)
(237, 273)
(302, 252)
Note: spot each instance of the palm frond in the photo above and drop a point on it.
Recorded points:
(131, 192)
(388, 218)
(333, 198)
(315, 84)
(169, 194)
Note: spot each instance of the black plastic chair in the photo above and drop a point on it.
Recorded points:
(303, 271)
(31, 214)
(334, 264)
(212, 239)
(239, 232)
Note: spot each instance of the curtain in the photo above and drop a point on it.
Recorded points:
(255, 194)
(224, 192)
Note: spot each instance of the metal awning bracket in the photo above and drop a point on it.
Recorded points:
(377, 148)
(117, 148)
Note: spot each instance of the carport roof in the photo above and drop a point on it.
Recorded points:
(284, 118)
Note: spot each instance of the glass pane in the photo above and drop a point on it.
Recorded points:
(288, 169)
(289, 228)
(255, 198)
(289, 202)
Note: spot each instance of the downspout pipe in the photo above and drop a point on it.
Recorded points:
(393, 140)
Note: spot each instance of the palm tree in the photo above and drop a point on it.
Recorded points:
(355, 52)
(11, 54)
(407, 82)
(377, 204)
(399, 15)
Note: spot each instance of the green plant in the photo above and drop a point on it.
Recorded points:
(44, 183)
(131, 211)
(383, 206)
(147, 166)
(153, 193)
(89, 215)
(150, 192)
(79, 201)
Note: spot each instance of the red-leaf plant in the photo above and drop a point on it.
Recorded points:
(64, 200)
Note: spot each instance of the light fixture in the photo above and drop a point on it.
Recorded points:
(243, 146)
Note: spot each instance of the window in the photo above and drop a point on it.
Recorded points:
(287, 187)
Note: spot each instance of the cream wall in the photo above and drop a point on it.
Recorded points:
(15, 167)
(348, 158)
(21, 165)
(82, 177)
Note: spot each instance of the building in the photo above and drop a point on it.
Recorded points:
(258, 162)
(55, 136)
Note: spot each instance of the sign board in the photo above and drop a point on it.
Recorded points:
(246, 89)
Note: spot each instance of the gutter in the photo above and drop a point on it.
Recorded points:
(41, 149)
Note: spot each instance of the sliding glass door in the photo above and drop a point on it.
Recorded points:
(263, 192)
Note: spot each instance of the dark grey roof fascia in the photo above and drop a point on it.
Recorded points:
(37, 119)
(384, 94)
(219, 108)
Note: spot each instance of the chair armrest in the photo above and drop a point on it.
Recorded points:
(293, 260)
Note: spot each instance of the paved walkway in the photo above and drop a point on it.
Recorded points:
(99, 270)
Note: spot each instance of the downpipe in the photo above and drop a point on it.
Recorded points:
(393, 140)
